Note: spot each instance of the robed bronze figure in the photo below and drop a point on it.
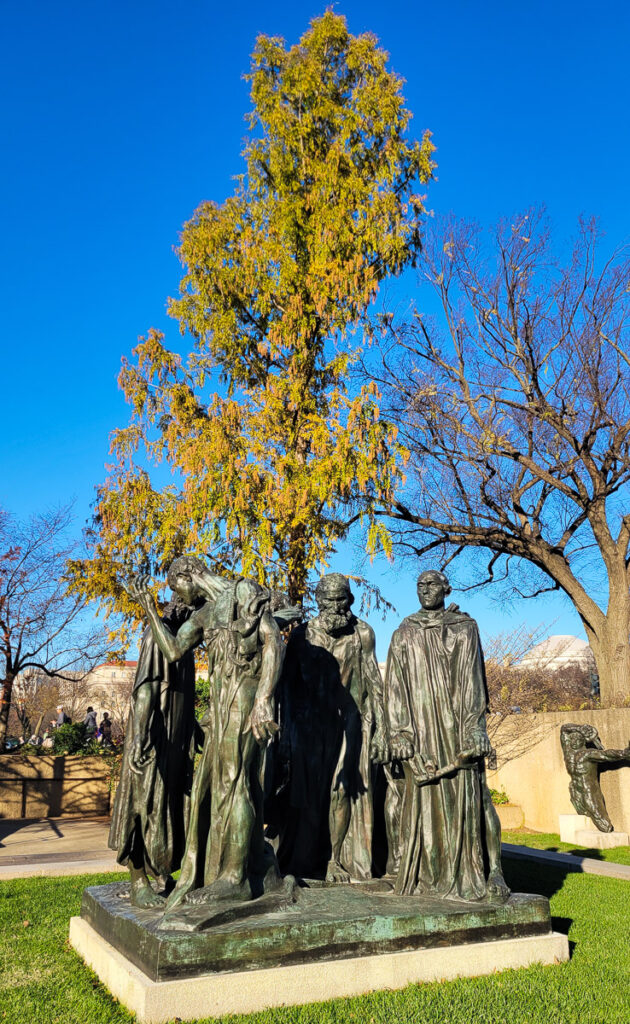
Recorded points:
(152, 800)
(331, 716)
(225, 855)
(435, 701)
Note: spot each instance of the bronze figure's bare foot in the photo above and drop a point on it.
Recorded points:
(143, 896)
(336, 873)
(222, 889)
(497, 886)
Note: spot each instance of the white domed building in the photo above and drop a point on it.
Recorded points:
(558, 652)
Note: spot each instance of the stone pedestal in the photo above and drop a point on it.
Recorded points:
(317, 943)
(596, 840)
(579, 830)
(214, 995)
(572, 823)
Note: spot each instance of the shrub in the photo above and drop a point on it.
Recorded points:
(499, 796)
(69, 738)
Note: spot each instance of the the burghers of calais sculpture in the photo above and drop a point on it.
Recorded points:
(583, 755)
(331, 714)
(435, 700)
(152, 799)
(225, 856)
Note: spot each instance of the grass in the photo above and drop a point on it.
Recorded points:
(42, 980)
(551, 841)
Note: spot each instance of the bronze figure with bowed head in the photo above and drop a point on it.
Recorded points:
(435, 701)
(225, 856)
(148, 828)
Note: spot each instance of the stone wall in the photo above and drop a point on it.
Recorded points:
(531, 768)
(51, 786)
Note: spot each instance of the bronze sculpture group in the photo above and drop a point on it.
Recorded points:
(307, 722)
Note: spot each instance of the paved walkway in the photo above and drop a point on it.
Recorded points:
(55, 846)
(568, 861)
(62, 846)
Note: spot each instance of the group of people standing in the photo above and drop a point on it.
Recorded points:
(101, 732)
(295, 738)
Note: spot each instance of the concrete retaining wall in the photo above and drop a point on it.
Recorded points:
(49, 786)
(531, 767)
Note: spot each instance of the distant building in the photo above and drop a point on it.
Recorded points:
(558, 652)
(108, 687)
(111, 673)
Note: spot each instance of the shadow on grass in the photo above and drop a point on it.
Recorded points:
(578, 851)
(535, 876)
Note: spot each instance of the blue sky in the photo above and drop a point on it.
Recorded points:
(119, 117)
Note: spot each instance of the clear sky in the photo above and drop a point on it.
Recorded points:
(120, 116)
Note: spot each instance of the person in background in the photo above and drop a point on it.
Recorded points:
(90, 723)
(105, 730)
(61, 719)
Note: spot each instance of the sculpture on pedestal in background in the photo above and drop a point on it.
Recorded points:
(583, 755)
(435, 701)
(331, 714)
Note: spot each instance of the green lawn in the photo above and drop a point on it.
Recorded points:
(43, 981)
(551, 841)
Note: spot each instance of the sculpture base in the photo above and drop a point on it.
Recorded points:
(578, 829)
(304, 924)
(596, 840)
(249, 991)
(569, 824)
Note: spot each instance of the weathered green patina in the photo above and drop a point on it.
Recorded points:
(326, 922)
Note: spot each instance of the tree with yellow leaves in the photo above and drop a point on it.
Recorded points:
(273, 453)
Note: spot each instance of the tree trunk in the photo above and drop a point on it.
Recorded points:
(611, 648)
(5, 706)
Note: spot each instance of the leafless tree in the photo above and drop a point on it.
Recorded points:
(514, 406)
(519, 688)
(43, 629)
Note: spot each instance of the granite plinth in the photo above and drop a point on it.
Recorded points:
(304, 925)
(248, 991)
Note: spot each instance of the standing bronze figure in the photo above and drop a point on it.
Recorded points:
(152, 800)
(583, 755)
(225, 855)
(331, 713)
(435, 702)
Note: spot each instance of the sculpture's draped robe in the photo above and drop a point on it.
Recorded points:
(435, 697)
(226, 801)
(327, 722)
(156, 801)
